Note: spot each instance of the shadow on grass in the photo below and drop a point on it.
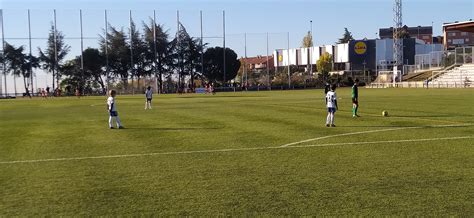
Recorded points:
(220, 96)
(398, 126)
(339, 126)
(430, 116)
(173, 129)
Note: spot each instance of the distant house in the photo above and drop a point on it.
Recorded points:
(458, 34)
(259, 63)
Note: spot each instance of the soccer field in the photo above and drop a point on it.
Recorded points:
(245, 154)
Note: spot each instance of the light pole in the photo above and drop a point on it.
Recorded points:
(418, 36)
(432, 33)
(432, 38)
(366, 78)
(311, 50)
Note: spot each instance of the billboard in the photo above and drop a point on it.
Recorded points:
(315, 54)
(328, 49)
(341, 53)
(304, 54)
(281, 57)
(299, 58)
(362, 54)
(292, 53)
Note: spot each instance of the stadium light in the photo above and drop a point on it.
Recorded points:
(310, 50)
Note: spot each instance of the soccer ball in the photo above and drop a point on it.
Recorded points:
(385, 113)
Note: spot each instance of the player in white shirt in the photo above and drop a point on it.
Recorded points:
(113, 110)
(331, 104)
(148, 96)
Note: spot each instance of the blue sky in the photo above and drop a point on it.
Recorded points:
(362, 17)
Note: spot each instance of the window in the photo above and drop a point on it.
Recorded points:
(458, 41)
(467, 39)
(452, 34)
(463, 34)
(449, 40)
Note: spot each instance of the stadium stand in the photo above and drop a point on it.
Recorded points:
(461, 76)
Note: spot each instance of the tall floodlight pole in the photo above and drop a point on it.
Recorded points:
(432, 49)
(30, 68)
(288, 59)
(223, 28)
(202, 48)
(268, 68)
(397, 40)
(154, 51)
(132, 66)
(311, 50)
(432, 33)
(3, 54)
(245, 62)
(179, 51)
(106, 50)
(82, 48)
(55, 52)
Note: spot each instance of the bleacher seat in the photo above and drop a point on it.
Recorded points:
(461, 76)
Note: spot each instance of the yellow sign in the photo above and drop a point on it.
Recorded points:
(360, 48)
(280, 58)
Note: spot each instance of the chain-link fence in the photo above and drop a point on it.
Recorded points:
(65, 41)
(430, 61)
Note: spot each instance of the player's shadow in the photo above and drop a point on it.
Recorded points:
(175, 129)
(396, 126)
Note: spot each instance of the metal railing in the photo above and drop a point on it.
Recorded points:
(437, 73)
(409, 69)
(464, 55)
(461, 84)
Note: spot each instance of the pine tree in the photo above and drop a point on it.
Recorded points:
(158, 52)
(54, 54)
(346, 37)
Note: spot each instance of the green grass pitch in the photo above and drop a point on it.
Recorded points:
(222, 155)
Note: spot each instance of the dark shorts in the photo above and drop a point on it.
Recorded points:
(354, 101)
(113, 113)
(331, 109)
(148, 99)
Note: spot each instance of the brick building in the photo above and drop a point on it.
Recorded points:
(424, 33)
(458, 34)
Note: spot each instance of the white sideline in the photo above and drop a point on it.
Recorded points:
(230, 150)
(372, 131)
(380, 142)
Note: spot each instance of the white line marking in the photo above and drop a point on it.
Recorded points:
(371, 131)
(228, 150)
(344, 134)
(380, 142)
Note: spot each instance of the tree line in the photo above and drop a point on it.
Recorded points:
(125, 57)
